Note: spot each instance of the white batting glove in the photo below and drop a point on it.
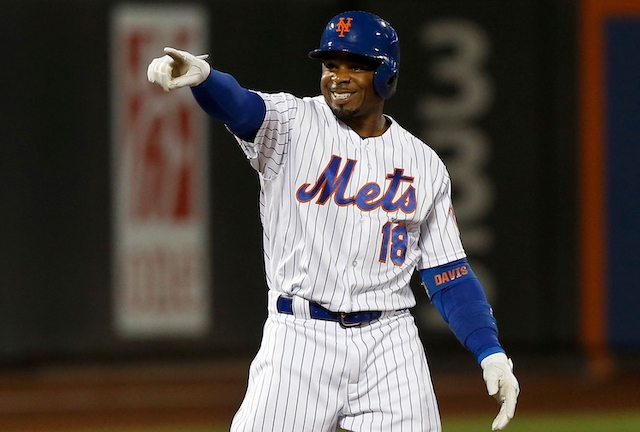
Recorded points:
(502, 385)
(178, 69)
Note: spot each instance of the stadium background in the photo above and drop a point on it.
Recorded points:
(547, 196)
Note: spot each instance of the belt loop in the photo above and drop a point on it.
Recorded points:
(300, 308)
(272, 302)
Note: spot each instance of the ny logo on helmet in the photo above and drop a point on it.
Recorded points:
(343, 26)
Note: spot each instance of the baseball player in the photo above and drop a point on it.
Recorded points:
(351, 205)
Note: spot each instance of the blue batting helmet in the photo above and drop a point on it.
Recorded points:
(370, 36)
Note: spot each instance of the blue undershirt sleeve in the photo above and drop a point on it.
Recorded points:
(457, 294)
(226, 101)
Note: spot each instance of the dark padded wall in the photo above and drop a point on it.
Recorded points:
(55, 176)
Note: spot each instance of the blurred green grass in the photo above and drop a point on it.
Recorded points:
(575, 422)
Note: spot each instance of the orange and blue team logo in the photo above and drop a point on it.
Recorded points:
(334, 181)
(343, 26)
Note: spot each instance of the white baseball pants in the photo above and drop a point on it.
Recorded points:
(313, 375)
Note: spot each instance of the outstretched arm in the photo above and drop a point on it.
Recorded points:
(219, 94)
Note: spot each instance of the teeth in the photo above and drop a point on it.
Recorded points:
(341, 95)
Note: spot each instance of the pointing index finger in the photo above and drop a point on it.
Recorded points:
(175, 54)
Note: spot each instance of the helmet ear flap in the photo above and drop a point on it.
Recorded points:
(385, 79)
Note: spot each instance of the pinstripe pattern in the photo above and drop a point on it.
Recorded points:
(324, 210)
(312, 375)
(330, 253)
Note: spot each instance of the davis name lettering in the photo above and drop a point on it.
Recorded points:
(333, 183)
(450, 275)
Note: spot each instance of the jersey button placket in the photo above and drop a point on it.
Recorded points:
(363, 175)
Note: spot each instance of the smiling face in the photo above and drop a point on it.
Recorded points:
(347, 86)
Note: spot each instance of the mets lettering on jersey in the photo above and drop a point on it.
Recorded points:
(381, 206)
(331, 183)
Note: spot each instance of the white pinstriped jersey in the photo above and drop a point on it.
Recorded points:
(346, 220)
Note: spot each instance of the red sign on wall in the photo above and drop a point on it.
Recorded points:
(159, 171)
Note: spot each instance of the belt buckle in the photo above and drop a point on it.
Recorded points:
(343, 315)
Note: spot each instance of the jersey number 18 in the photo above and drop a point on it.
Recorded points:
(394, 243)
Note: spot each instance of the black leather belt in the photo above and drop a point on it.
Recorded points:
(346, 319)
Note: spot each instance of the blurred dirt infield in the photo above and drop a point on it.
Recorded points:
(68, 397)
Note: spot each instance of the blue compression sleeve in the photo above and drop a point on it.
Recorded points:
(457, 294)
(222, 97)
